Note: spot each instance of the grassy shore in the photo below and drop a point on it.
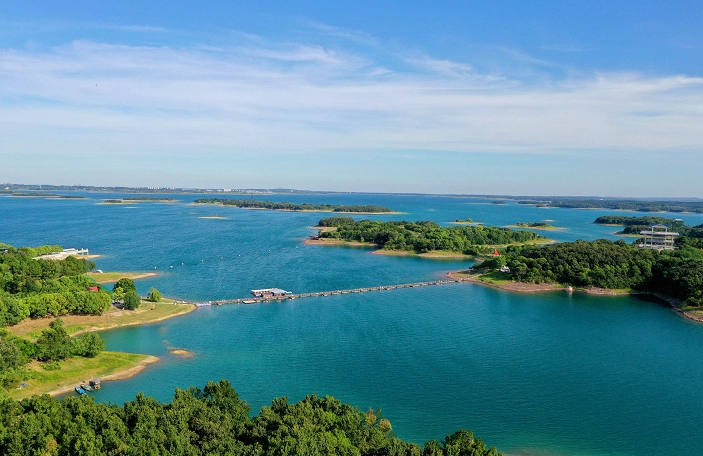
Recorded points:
(74, 371)
(112, 277)
(76, 324)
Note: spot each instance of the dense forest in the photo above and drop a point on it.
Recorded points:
(211, 421)
(606, 264)
(630, 205)
(287, 206)
(423, 237)
(39, 288)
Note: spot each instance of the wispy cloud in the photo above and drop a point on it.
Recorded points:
(302, 97)
(446, 67)
(340, 32)
(137, 28)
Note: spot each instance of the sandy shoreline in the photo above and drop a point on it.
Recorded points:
(438, 255)
(191, 308)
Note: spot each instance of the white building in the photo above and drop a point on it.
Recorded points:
(658, 237)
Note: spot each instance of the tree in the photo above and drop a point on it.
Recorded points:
(88, 345)
(126, 285)
(10, 356)
(53, 343)
(118, 294)
(154, 295)
(131, 300)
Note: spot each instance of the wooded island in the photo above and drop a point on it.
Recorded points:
(422, 237)
(301, 207)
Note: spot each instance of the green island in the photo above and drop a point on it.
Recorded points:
(621, 204)
(467, 221)
(211, 421)
(602, 267)
(424, 238)
(536, 226)
(302, 207)
(49, 310)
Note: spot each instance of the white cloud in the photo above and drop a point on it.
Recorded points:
(303, 97)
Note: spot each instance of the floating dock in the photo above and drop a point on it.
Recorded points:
(316, 294)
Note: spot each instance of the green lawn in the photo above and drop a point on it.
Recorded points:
(76, 371)
(495, 278)
(147, 312)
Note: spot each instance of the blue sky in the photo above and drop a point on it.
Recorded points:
(569, 98)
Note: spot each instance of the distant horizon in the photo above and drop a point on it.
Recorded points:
(283, 190)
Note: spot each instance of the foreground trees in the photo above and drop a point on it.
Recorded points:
(211, 421)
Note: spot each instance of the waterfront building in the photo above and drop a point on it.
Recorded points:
(658, 237)
(270, 293)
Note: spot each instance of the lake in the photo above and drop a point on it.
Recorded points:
(542, 374)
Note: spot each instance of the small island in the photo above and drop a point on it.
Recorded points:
(139, 199)
(536, 226)
(632, 226)
(467, 221)
(426, 238)
(296, 207)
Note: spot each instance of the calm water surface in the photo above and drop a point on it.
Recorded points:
(545, 374)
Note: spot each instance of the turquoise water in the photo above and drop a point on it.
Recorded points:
(546, 374)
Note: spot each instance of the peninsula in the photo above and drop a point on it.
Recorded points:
(296, 207)
(51, 308)
(603, 267)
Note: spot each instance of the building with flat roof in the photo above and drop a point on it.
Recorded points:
(658, 237)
